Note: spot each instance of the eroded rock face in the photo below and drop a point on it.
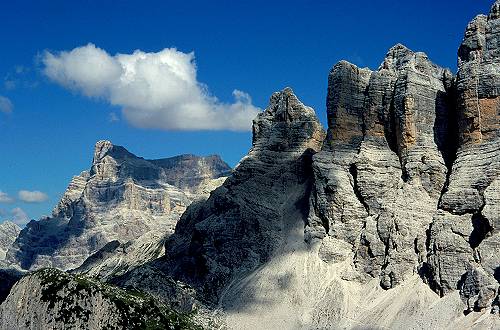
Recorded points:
(242, 222)
(379, 176)
(409, 173)
(191, 173)
(117, 258)
(391, 221)
(471, 199)
(122, 197)
(8, 234)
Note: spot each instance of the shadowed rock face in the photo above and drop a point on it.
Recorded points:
(121, 197)
(8, 277)
(242, 222)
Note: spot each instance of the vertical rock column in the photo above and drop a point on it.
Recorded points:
(465, 234)
(381, 171)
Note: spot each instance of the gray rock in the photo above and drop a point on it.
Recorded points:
(116, 258)
(122, 197)
(192, 173)
(403, 193)
(51, 299)
(8, 234)
(381, 171)
(241, 223)
(473, 191)
(408, 181)
(477, 290)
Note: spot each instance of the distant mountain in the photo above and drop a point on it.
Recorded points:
(8, 234)
(120, 198)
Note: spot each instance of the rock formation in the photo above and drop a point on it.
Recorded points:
(193, 174)
(8, 234)
(379, 176)
(465, 235)
(117, 258)
(122, 197)
(217, 238)
(404, 195)
(61, 301)
(407, 181)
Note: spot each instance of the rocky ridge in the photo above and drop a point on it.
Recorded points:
(122, 197)
(404, 191)
(8, 234)
(216, 238)
(61, 301)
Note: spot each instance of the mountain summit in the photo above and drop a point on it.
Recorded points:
(121, 197)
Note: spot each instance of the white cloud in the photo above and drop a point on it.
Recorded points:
(19, 217)
(5, 105)
(5, 198)
(155, 90)
(32, 196)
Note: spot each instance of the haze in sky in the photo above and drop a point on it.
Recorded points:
(168, 77)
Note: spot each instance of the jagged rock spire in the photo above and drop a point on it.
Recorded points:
(286, 124)
(242, 222)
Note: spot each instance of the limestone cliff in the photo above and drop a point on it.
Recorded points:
(122, 197)
(8, 234)
(464, 246)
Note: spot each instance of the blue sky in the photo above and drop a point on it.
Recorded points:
(254, 46)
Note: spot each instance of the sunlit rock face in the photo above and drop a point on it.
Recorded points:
(122, 197)
(8, 234)
(408, 179)
(380, 174)
(465, 239)
(366, 222)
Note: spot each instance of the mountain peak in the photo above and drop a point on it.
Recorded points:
(105, 148)
(397, 57)
(285, 106)
(286, 124)
(101, 148)
(399, 47)
(495, 10)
